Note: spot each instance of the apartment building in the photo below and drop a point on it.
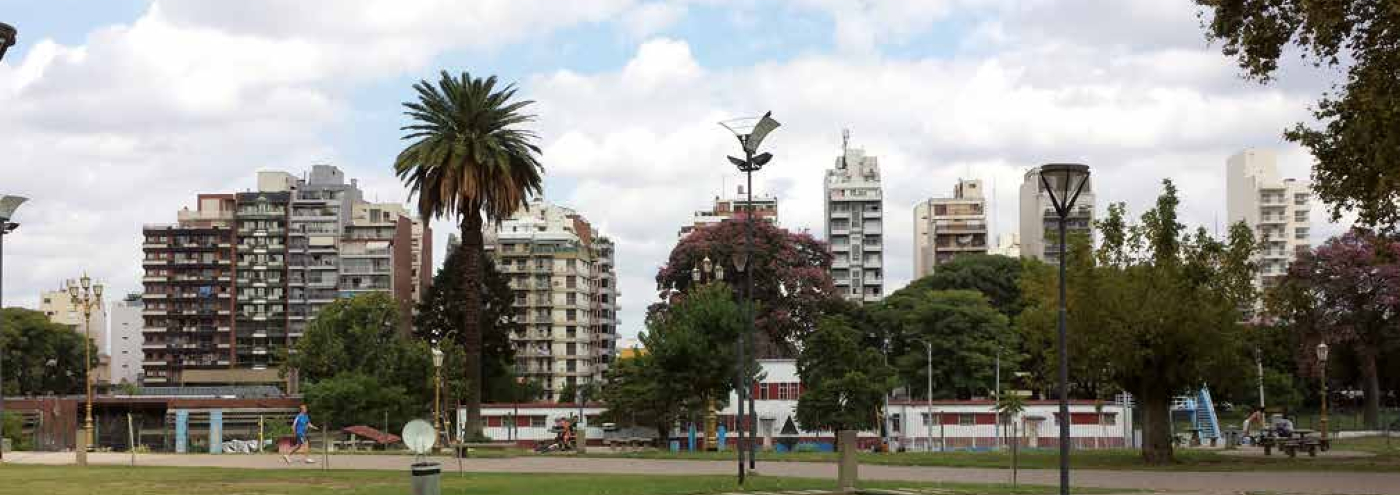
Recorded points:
(566, 296)
(235, 282)
(765, 208)
(126, 339)
(1277, 209)
(948, 227)
(58, 306)
(1040, 234)
(853, 203)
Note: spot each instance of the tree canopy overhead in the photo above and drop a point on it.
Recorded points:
(845, 381)
(41, 356)
(792, 279)
(1357, 146)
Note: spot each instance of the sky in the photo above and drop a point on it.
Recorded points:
(117, 113)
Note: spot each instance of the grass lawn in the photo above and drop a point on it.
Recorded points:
(114, 480)
(1114, 459)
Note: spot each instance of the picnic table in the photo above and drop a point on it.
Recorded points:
(1298, 440)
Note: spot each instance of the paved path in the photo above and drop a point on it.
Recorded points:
(1189, 482)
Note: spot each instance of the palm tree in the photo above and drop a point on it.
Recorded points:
(469, 158)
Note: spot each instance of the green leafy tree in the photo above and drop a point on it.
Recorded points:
(352, 398)
(440, 315)
(996, 277)
(470, 159)
(966, 333)
(354, 340)
(1157, 315)
(570, 392)
(845, 382)
(1008, 407)
(689, 360)
(1358, 144)
(41, 356)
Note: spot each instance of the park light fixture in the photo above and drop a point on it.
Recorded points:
(1322, 363)
(1322, 352)
(8, 34)
(437, 357)
(1063, 182)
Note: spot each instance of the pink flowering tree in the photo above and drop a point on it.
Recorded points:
(1345, 293)
(792, 280)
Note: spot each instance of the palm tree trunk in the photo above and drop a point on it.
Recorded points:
(472, 249)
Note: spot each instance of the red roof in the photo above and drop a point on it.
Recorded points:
(372, 434)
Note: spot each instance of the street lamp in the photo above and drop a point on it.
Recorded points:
(8, 34)
(1322, 363)
(86, 295)
(707, 271)
(8, 205)
(1068, 181)
(750, 132)
(437, 388)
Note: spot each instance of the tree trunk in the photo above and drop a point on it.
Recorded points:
(472, 249)
(1156, 426)
(1371, 387)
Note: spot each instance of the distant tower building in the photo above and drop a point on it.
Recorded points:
(1040, 224)
(126, 324)
(1277, 210)
(949, 227)
(854, 223)
(1007, 245)
(565, 282)
(765, 207)
(58, 306)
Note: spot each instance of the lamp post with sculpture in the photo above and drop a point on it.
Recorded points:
(86, 296)
(750, 131)
(8, 205)
(1322, 363)
(708, 272)
(1063, 182)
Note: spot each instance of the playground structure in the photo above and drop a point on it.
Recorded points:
(1205, 424)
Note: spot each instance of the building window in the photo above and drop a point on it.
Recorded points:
(895, 421)
(929, 420)
(967, 419)
(537, 421)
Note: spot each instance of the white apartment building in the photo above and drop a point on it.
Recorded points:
(562, 271)
(765, 207)
(126, 324)
(1277, 209)
(1007, 245)
(949, 227)
(853, 203)
(1040, 235)
(58, 306)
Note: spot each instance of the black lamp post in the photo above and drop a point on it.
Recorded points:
(750, 133)
(1063, 182)
(8, 204)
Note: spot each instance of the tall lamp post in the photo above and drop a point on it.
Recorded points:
(1322, 363)
(8, 205)
(750, 132)
(1068, 181)
(437, 388)
(86, 296)
(708, 271)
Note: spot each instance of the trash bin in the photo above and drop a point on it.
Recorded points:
(1232, 439)
(427, 478)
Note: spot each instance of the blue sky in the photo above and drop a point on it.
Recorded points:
(120, 111)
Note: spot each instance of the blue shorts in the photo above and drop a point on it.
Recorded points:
(301, 438)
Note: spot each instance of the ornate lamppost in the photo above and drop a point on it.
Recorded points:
(85, 296)
(1322, 363)
(707, 272)
(8, 205)
(1063, 182)
(750, 132)
(437, 388)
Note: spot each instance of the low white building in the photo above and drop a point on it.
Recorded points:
(956, 425)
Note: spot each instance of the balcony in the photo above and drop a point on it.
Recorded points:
(155, 262)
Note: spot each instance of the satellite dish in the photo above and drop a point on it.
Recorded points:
(419, 436)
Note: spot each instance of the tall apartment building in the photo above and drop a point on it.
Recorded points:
(1040, 235)
(1008, 244)
(126, 324)
(58, 306)
(765, 208)
(853, 204)
(235, 282)
(1277, 209)
(949, 227)
(565, 283)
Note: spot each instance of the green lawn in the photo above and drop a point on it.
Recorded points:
(1115, 459)
(113, 480)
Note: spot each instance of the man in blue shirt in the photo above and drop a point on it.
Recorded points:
(300, 425)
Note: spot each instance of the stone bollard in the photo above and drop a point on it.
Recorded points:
(846, 467)
(581, 441)
(80, 448)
